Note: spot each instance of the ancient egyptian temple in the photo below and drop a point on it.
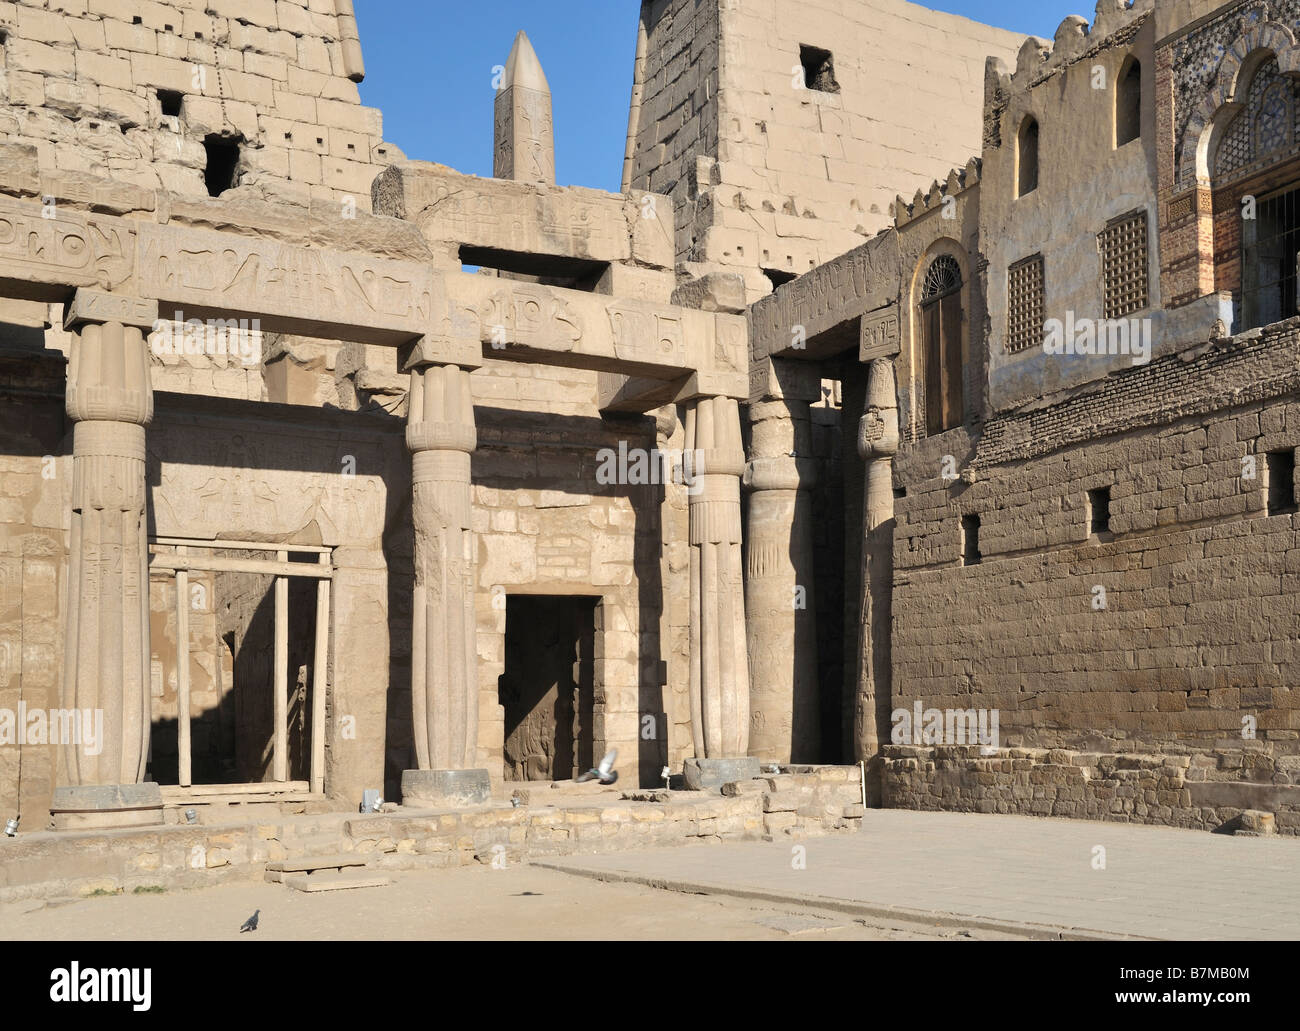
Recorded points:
(918, 425)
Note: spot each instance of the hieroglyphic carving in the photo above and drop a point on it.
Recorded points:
(212, 482)
(240, 275)
(643, 334)
(879, 334)
(66, 249)
(97, 306)
(527, 316)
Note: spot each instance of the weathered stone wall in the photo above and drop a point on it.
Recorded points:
(678, 118)
(792, 177)
(807, 802)
(83, 80)
(547, 525)
(218, 469)
(1200, 614)
(1208, 791)
(35, 488)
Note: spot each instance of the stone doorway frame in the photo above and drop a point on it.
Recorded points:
(179, 562)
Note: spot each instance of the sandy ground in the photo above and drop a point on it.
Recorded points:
(469, 903)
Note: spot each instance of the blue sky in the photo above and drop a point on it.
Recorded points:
(429, 69)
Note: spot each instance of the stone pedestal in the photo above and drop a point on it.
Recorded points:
(719, 663)
(780, 607)
(96, 806)
(711, 774)
(435, 789)
(106, 651)
(444, 677)
(878, 438)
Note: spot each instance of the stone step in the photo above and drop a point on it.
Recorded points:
(334, 880)
(306, 864)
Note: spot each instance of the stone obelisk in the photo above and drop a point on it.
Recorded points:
(524, 135)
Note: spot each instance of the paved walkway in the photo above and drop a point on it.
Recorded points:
(1001, 872)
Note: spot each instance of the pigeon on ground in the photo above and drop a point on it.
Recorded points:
(251, 923)
(605, 772)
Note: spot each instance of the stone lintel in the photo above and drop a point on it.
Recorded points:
(312, 291)
(634, 394)
(825, 299)
(96, 306)
(780, 379)
(575, 329)
(522, 218)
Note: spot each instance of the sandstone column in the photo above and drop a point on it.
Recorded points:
(779, 596)
(525, 137)
(444, 677)
(719, 664)
(106, 646)
(878, 438)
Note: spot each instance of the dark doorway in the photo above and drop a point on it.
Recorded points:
(548, 687)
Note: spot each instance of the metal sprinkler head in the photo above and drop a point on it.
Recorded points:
(11, 827)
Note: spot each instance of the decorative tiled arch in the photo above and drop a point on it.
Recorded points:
(1247, 52)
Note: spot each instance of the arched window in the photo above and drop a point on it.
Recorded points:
(1263, 128)
(941, 327)
(1027, 157)
(1261, 140)
(1128, 103)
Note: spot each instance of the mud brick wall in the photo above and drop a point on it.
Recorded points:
(1201, 792)
(1201, 614)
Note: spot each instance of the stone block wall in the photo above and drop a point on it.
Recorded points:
(1201, 792)
(35, 485)
(86, 81)
(801, 803)
(1161, 634)
(546, 525)
(791, 177)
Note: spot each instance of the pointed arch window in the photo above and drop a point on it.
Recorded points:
(941, 327)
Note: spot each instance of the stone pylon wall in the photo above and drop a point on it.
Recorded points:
(767, 175)
(83, 82)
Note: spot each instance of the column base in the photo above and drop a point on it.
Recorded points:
(711, 774)
(100, 806)
(433, 789)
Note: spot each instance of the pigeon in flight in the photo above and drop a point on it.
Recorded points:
(605, 772)
(251, 923)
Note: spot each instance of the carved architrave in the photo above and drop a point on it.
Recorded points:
(383, 299)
